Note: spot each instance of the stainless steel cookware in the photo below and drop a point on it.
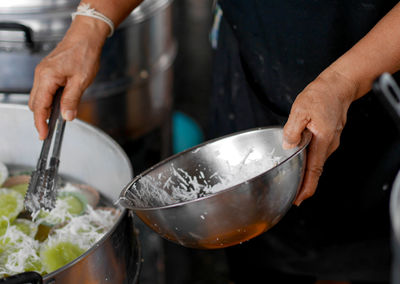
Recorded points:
(388, 91)
(132, 92)
(232, 215)
(92, 157)
(42, 190)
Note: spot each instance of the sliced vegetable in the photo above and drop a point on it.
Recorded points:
(68, 205)
(11, 204)
(14, 235)
(91, 194)
(59, 254)
(34, 264)
(19, 251)
(18, 183)
(28, 227)
(52, 239)
(76, 202)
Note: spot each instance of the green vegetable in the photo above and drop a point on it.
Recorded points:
(68, 204)
(11, 204)
(28, 227)
(55, 256)
(20, 188)
(76, 202)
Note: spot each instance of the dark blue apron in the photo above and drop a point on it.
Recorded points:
(267, 52)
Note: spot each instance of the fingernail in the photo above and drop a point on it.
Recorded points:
(69, 114)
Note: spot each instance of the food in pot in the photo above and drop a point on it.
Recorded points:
(48, 240)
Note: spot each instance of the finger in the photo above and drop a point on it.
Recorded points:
(333, 146)
(316, 157)
(31, 97)
(40, 116)
(33, 93)
(71, 98)
(293, 128)
(42, 104)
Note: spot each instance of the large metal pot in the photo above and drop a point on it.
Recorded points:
(89, 156)
(389, 93)
(131, 94)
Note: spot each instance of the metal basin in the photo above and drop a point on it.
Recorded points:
(91, 157)
(229, 216)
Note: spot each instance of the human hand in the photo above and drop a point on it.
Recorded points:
(321, 108)
(72, 64)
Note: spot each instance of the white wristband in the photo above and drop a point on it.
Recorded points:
(85, 10)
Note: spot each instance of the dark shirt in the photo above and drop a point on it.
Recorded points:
(286, 44)
(268, 51)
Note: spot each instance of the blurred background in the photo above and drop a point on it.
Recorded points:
(151, 95)
(191, 90)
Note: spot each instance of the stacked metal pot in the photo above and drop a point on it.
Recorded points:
(132, 93)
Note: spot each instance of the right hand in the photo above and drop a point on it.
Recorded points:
(73, 64)
(322, 109)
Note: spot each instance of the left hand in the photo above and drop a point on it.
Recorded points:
(321, 108)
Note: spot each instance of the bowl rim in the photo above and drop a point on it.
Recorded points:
(305, 140)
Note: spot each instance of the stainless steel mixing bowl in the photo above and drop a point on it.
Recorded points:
(229, 216)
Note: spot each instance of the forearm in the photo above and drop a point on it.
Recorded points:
(377, 52)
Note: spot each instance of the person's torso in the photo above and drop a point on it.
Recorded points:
(284, 45)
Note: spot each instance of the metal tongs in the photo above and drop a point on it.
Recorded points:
(42, 191)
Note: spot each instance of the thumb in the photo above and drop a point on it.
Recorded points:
(70, 99)
(293, 129)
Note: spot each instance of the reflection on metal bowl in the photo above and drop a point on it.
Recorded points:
(238, 211)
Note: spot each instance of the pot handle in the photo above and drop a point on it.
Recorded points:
(23, 278)
(389, 92)
(9, 26)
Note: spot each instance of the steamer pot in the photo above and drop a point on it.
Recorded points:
(132, 92)
(90, 156)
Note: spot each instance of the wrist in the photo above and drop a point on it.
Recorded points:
(92, 30)
(347, 89)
